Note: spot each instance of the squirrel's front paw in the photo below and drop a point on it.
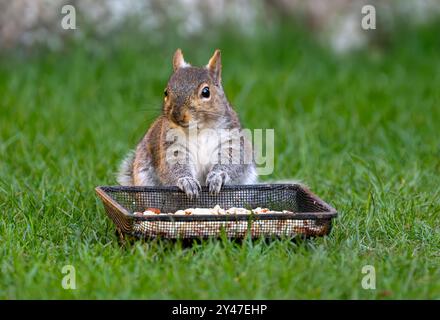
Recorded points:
(190, 186)
(215, 180)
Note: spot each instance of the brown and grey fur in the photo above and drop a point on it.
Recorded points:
(183, 106)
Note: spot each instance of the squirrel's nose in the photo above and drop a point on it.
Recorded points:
(176, 114)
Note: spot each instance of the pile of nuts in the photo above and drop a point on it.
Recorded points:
(232, 228)
(217, 210)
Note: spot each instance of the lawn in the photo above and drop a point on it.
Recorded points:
(361, 130)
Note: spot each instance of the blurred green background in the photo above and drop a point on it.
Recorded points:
(356, 116)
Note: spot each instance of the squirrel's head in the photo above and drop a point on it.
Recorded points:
(194, 94)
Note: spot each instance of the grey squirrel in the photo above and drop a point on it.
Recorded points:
(197, 140)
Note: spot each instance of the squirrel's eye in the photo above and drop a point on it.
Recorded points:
(165, 93)
(205, 92)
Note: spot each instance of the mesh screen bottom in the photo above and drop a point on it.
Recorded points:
(235, 229)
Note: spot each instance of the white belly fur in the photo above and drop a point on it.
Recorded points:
(204, 147)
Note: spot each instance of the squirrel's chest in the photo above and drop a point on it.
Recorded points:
(203, 148)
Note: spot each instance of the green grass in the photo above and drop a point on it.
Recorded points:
(362, 131)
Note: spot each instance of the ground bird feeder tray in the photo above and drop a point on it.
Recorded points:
(261, 210)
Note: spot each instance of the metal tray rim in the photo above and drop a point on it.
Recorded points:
(331, 212)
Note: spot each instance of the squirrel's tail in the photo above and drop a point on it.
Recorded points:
(125, 173)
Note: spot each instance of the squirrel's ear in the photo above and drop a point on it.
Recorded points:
(215, 66)
(178, 61)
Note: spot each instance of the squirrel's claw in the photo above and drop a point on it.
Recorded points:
(190, 186)
(215, 181)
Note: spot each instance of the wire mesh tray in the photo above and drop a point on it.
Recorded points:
(310, 216)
